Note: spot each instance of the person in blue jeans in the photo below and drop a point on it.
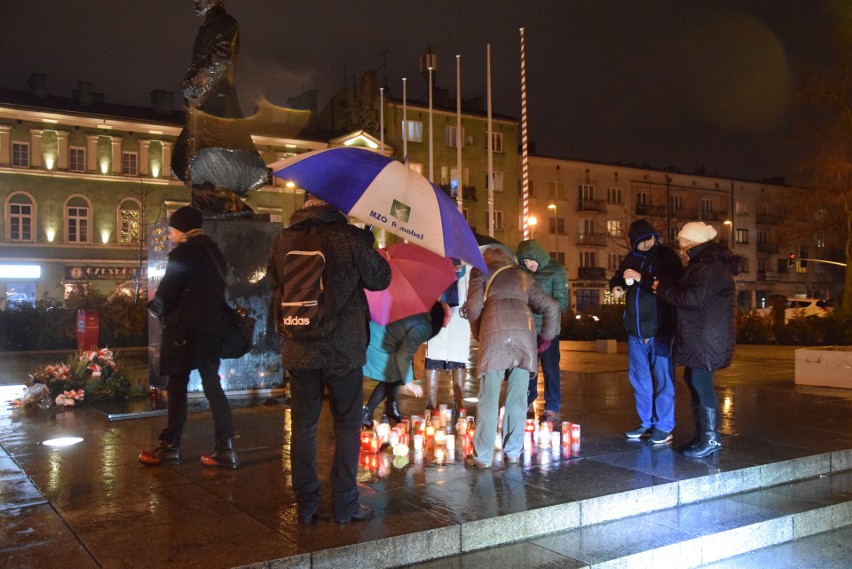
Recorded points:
(650, 328)
(550, 276)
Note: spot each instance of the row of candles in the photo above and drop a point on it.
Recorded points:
(436, 432)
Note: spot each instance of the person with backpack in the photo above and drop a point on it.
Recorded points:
(327, 354)
(500, 307)
(551, 277)
(189, 299)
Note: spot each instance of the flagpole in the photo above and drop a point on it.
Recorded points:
(404, 123)
(459, 136)
(490, 180)
(431, 162)
(382, 119)
(525, 169)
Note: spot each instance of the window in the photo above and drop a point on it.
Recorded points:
(20, 294)
(556, 190)
(587, 192)
(77, 159)
(614, 195)
(129, 219)
(498, 181)
(451, 137)
(740, 207)
(77, 220)
(762, 236)
(588, 226)
(417, 167)
(21, 154)
(20, 215)
(498, 220)
(558, 256)
(587, 259)
(466, 214)
(707, 208)
(497, 142)
(614, 228)
(413, 131)
(642, 198)
(743, 264)
(531, 187)
(556, 223)
(761, 264)
(673, 234)
(676, 203)
(129, 163)
(742, 236)
(587, 298)
(454, 177)
(613, 260)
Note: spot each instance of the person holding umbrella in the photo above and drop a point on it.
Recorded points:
(332, 362)
(500, 309)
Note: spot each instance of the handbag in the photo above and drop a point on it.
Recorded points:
(237, 332)
(236, 327)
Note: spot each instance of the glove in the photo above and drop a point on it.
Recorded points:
(541, 344)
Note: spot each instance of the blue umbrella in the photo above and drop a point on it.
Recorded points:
(387, 194)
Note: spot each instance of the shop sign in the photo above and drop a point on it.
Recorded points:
(582, 284)
(94, 273)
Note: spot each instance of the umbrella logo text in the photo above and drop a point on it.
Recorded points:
(400, 211)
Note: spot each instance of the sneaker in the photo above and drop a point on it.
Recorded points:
(639, 432)
(659, 437)
(471, 462)
(549, 417)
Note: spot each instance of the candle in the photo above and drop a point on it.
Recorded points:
(575, 432)
(418, 442)
(451, 444)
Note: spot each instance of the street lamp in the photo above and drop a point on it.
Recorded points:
(555, 227)
(531, 222)
(730, 225)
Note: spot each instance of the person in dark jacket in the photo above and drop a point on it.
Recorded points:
(551, 277)
(705, 298)
(190, 298)
(650, 330)
(333, 362)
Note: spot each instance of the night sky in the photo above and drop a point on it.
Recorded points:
(680, 83)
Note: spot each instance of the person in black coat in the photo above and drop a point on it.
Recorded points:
(705, 299)
(650, 325)
(189, 298)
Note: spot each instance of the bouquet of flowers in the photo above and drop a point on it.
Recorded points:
(95, 373)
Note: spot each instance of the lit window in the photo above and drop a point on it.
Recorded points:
(129, 163)
(77, 159)
(20, 215)
(21, 154)
(77, 220)
(20, 294)
(615, 228)
(413, 131)
(130, 216)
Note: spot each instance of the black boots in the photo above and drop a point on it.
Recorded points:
(167, 453)
(223, 455)
(392, 412)
(709, 443)
(367, 419)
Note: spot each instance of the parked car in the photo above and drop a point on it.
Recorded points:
(801, 307)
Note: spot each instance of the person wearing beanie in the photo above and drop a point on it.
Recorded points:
(550, 276)
(705, 299)
(650, 324)
(188, 300)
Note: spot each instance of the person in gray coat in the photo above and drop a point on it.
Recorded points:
(333, 362)
(500, 309)
(705, 299)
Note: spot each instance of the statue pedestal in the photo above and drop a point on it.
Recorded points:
(827, 366)
(246, 245)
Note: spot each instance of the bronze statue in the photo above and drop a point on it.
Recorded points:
(215, 155)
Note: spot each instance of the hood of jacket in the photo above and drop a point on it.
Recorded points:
(317, 214)
(639, 231)
(533, 250)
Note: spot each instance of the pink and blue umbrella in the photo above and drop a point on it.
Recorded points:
(387, 194)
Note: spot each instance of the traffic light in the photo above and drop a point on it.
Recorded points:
(791, 259)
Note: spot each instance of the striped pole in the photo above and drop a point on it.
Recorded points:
(525, 167)
(459, 136)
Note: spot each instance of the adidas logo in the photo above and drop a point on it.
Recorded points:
(296, 321)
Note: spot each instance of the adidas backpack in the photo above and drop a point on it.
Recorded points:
(304, 309)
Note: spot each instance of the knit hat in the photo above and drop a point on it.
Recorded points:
(697, 232)
(186, 219)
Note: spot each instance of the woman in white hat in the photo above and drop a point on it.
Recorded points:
(705, 299)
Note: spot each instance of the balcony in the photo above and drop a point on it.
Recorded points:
(468, 192)
(767, 247)
(767, 218)
(689, 213)
(592, 205)
(714, 215)
(591, 273)
(598, 239)
(649, 210)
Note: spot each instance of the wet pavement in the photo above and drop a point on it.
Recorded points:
(94, 505)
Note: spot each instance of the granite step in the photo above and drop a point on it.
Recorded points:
(682, 523)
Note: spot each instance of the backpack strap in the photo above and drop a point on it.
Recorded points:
(491, 280)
